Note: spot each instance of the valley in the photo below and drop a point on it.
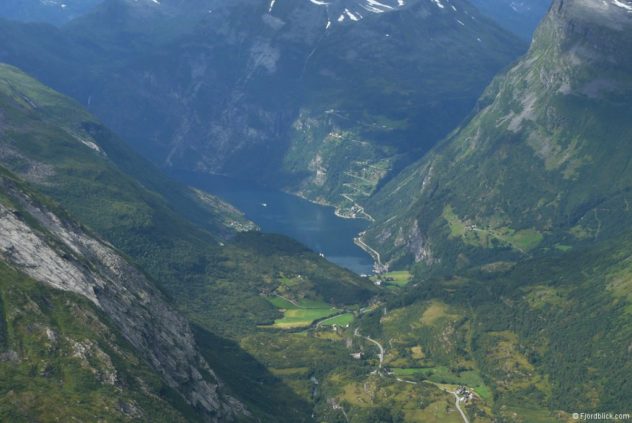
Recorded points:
(340, 211)
(273, 95)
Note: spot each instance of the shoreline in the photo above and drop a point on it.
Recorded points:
(378, 267)
(338, 211)
(356, 211)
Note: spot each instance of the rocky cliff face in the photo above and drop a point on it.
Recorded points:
(57, 252)
(543, 163)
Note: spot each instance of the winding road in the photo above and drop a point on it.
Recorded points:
(457, 401)
(381, 354)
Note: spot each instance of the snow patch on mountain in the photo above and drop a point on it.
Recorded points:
(354, 10)
(349, 11)
(623, 5)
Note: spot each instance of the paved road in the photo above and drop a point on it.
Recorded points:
(458, 407)
(378, 266)
(381, 354)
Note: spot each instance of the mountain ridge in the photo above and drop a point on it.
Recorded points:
(545, 137)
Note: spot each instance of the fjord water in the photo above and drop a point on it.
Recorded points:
(274, 211)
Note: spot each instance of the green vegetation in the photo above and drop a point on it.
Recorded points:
(522, 240)
(367, 398)
(333, 178)
(301, 318)
(563, 247)
(181, 238)
(537, 169)
(517, 228)
(61, 357)
(344, 319)
(522, 337)
(300, 314)
(517, 223)
(444, 375)
(398, 278)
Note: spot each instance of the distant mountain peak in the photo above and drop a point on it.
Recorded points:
(612, 13)
(595, 31)
(349, 11)
(352, 10)
(346, 12)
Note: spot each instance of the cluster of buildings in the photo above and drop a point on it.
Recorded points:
(464, 394)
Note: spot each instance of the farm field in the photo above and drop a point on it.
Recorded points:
(398, 278)
(300, 314)
(340, 320)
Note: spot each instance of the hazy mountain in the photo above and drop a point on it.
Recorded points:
(518, 16)
(278, 91)
(126, 296)
(52, 11)
(542, 164)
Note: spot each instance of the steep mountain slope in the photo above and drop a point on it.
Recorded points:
(382, 91)
(51, 249)
(184, 240)
(542, 166)
(518, 16)
(56, 346)
(275, 90)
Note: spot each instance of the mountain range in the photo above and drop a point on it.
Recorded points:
(297, 84)
(499, 217)
(52, 11)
